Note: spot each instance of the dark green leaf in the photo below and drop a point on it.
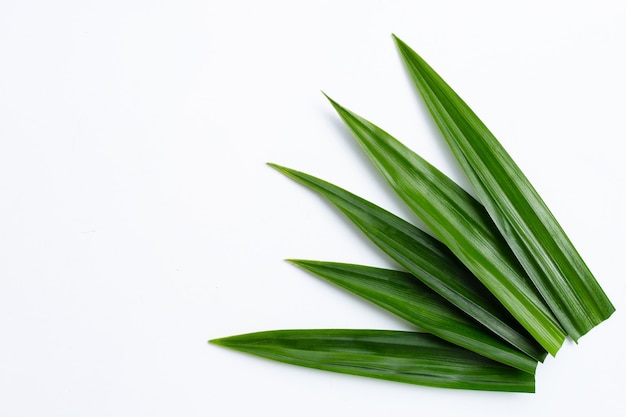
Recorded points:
(530, 229)
(426, 258)
(415, 358)
(402, 294)
(461, 223)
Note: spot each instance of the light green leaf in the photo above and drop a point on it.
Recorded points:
(461, 223)
(404, 295)
(426, 258)
(415, 358)
(530, 229)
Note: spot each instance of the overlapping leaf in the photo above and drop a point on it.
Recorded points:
(530, 229)
(426, 258)
(461, 223)
(400, 293)
(494, 267)
(415, 358)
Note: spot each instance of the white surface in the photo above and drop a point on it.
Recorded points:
(138, 218)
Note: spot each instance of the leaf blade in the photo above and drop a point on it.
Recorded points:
(521, 215)
(408, 357)
(407, 297)
(461, 223)
(425, 257)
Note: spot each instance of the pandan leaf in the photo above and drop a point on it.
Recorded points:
(461, 223)
(402, 294)
(530, 229)
(426, 258)
(415, 358)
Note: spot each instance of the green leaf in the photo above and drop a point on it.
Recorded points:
(415, 358)
(402, 294)
(536, 238)
(426, 258)
(461, 223)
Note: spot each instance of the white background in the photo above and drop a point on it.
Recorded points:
(138, 218)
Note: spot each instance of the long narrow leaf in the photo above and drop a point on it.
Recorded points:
(460, 222)
(415, 358)
(400, 293)
(527, 224)
(426, 258)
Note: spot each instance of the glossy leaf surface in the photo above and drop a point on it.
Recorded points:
(461, 223)
(426, 258)
(530, 229)
(404, 295)
(415, 358)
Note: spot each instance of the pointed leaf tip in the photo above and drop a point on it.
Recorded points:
(231, 342)
(399, 42)
(217, 342)
(279, 168)
(298, 262)
(335, 105)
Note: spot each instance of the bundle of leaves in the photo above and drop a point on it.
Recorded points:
(496, 289)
